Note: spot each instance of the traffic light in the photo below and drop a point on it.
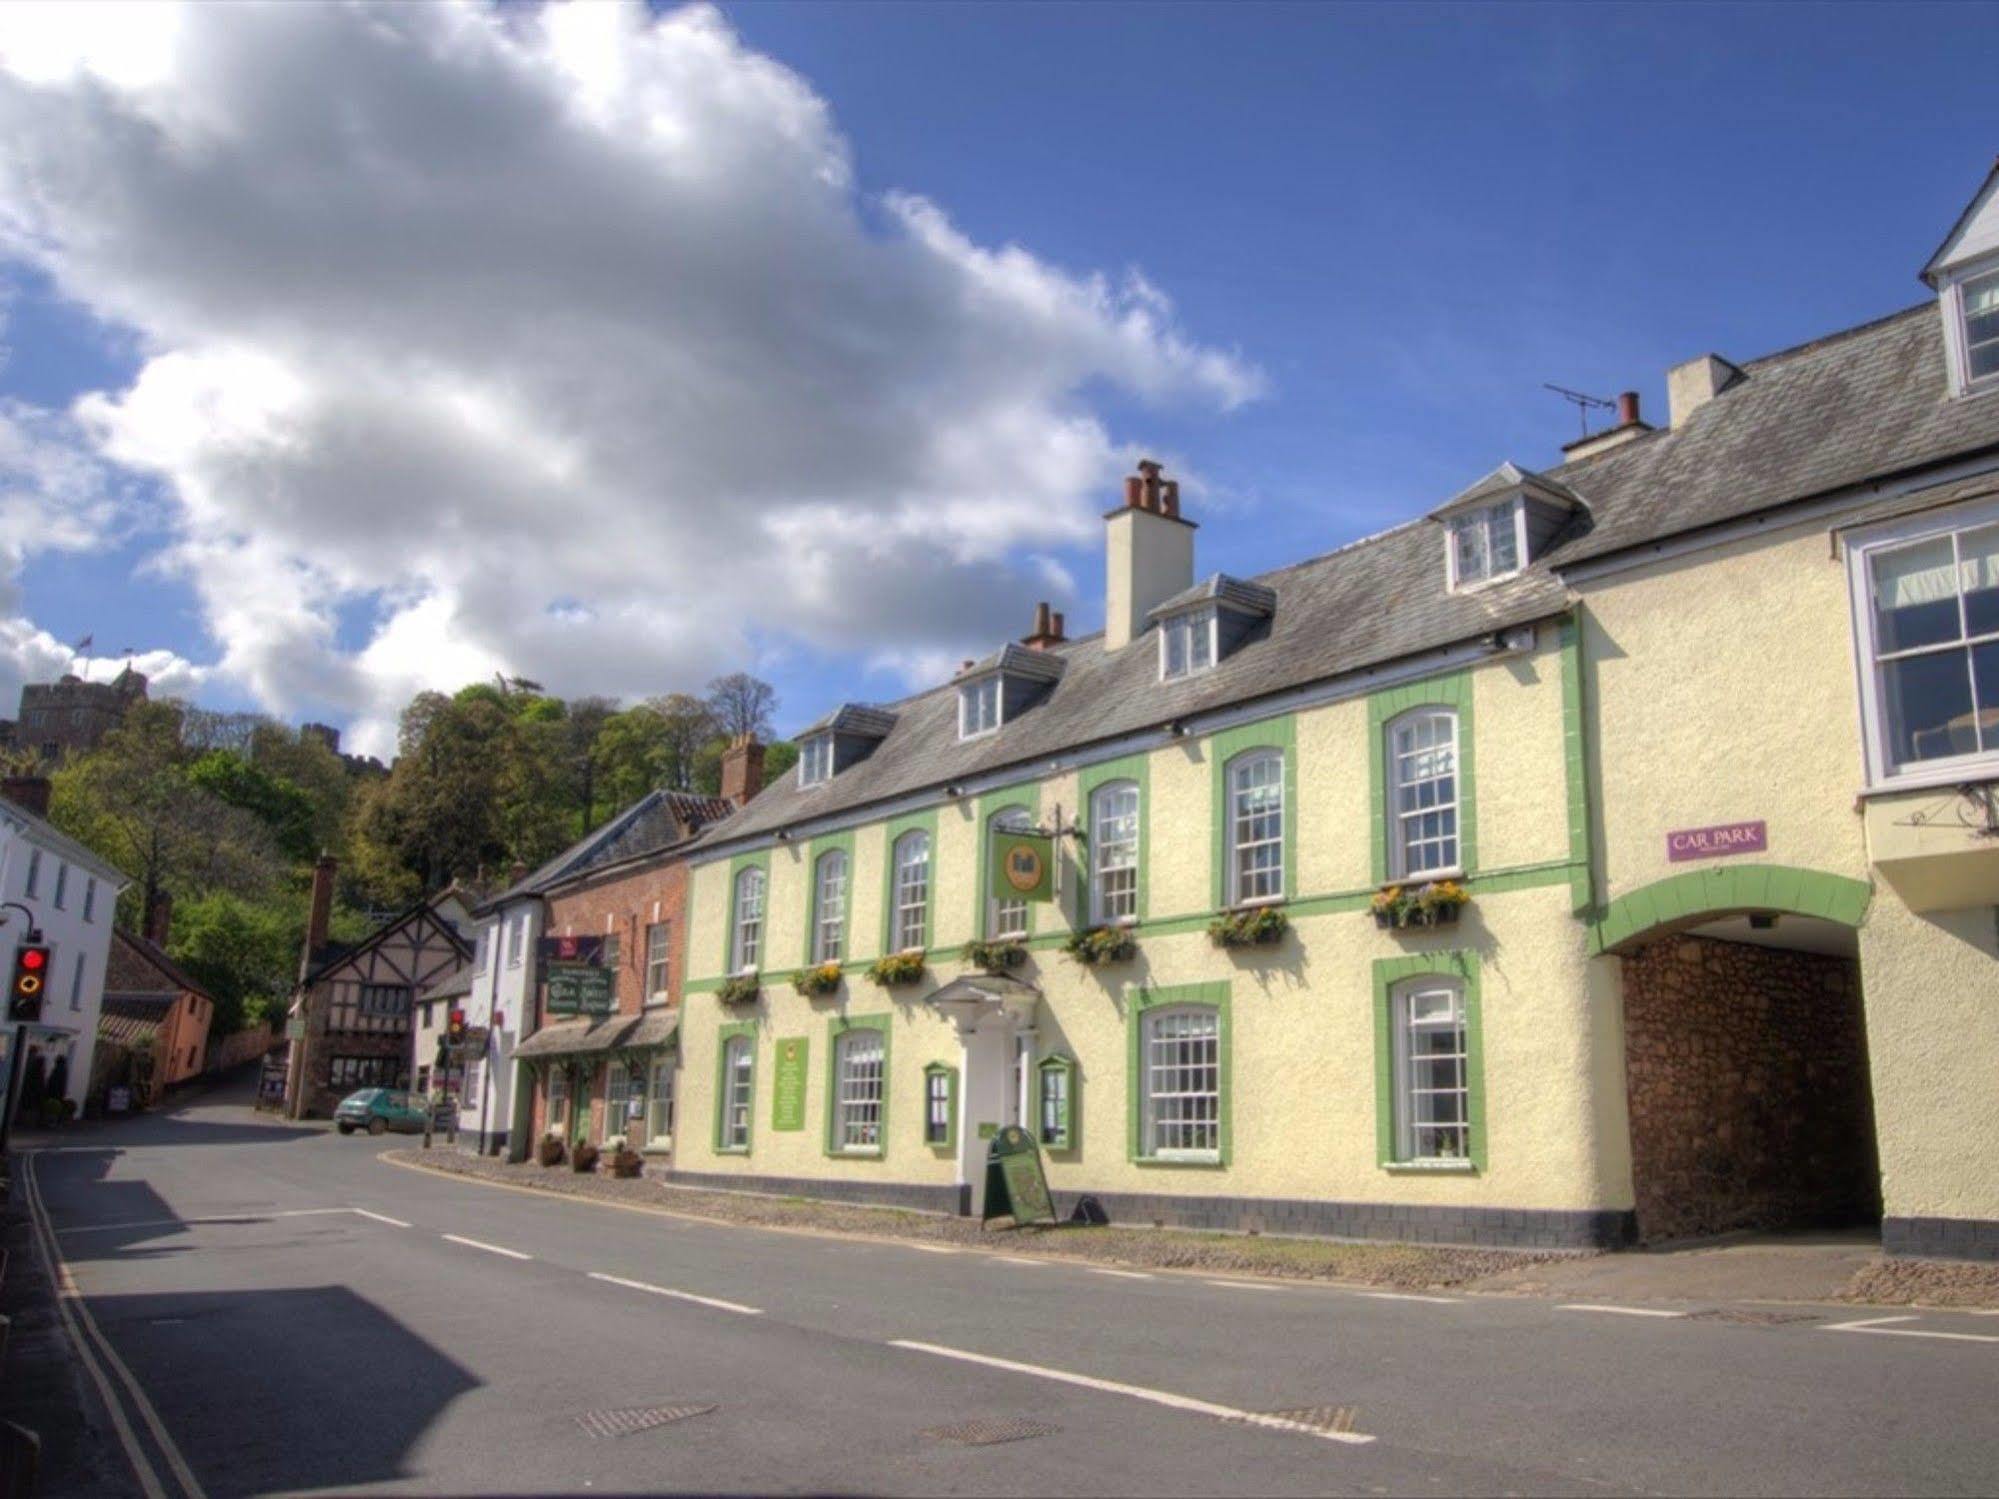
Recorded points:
(454, 1026)
(31, 981)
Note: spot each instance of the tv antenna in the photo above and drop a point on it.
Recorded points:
(1583, 404)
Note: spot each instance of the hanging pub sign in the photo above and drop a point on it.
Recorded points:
(1023, 865)
(573, 949)
(1016, 1187)
(579, 989)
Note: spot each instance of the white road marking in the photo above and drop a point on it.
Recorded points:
(928, 1248)
(1620, 1311)
(1010, 1259)
(1880, 1328)
(1407, 1296)
(1241, 1285)
(512, 1254)
(1120, 1274)
(1136, 1392)
(380, 1218)
(639, 1285)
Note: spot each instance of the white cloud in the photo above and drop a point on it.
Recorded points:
(564, 332)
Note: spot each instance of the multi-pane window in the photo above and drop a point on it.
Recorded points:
(1485, 543)
(379, 1009)
(979, 707)
(815, 760)
(746, 943)
(911, 910)
(657, 948)
(659, 1100)
(1933, 614)
(1006, 914)
(829, 907)
(1057, 1079)
(1256, 827)
(1423, 775)
(558, 1096)
(1981, 325)
(1181, 1074)
(1433, 1099)
(858, 1065)
(367, 1072)
(1114, 853)
(1187, 644)
(738, 1080)
(938, 1085)
(617, 1099)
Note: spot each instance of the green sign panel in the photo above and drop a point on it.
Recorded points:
(787, 1099)
(579, 989)
(1023, 866)
(1016, 1188)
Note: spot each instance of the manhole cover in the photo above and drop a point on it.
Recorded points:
(1335, 1418)
(1750, 1319)
(985, 1433)
(622, 1423)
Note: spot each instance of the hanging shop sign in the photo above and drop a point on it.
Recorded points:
(579, 989)
(787, 1099)
(1016, 1186)
(1718, 841)
(1023, 866)
(573, 949)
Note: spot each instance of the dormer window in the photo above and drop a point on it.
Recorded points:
(1486, 543)
(979, 707)
(815, 760)
(1978, 298)
(1965, 273)
(1187, 644)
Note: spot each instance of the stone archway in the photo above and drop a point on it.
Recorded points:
(1745, 1051)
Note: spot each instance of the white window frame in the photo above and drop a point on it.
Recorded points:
(558, 1096)
(482, 950)
(1101, 847)
(1956, 331)
(815, 760)
(1861, 548)
(1006, 917)
(517, 931)
(830, 879)
(1196, 633)
(739, 1083)
(861, 1095)
(746, 935)
(975, 699)
(910, 912)
(1408, 1132)
(660, 1093)
(659, 961)
(617, 1100)
(939, 1105)
(1238, 844)
(1398, 844)
(1484, 516)
(1153, 1129)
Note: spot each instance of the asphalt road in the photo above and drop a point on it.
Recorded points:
(276, 1310)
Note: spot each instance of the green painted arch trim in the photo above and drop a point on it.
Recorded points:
(950, 1075)
(723, 1036)
(821, 846)
(924, 822)
(836, 1027)
(1138, 1003)
(1729, 888)
(1462, 965)
(1383, 708)
(758, 860)
(1066, 1134)
(1223, 750)
(1138, 770)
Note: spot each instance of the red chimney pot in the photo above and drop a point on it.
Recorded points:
(1627, 408)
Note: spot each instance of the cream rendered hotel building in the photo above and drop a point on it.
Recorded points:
(1704, 721)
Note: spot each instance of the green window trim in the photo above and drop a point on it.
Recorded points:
(821, 846)
(1026, 799)
(1462, 965)
(723, 1037)
(1575, 765)
(1134, 768)
(1066, 1134)
(760, 860)
(1223, 749)
(836, 1027)
(1383, 708)
(1724, 888)
(950, 1076)
(924, 822)
(1139, 1002)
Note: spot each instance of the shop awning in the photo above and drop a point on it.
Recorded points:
(569, 1038)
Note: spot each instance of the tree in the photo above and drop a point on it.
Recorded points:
(245, 953)
(742, 704)
(274, 801)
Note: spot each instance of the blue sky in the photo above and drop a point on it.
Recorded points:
(1397, 221)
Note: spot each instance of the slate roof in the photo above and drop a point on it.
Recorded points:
(130, 1018)
(1229, 592)
(1505, 479)
(612, 1033)
(655, 823)
(151, 955)
(853, 718)
(1017, 660)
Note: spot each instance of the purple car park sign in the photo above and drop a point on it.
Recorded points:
(1715, 842)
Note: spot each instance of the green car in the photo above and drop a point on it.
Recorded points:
(378, 1110)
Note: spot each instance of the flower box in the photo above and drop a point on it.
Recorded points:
(995, 957)
(550, 1152)
(584, 1158)
(820, 978)
(896, 968)
(740, 990)
(1258, 926)
(1096, 945)
(1434, 904)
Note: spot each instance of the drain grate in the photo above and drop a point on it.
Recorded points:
(1334, 1418)
(1751, 1319)
(989, 1432)
(622, 1423)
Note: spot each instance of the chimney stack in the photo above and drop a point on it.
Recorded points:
(29, 793)
(1148, 554)
(1692, 385)
(1629, 425)
(319, 918)
(742, 769)
(1047, 629)
(159, 920)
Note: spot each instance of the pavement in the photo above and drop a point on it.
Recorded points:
(277, 1310)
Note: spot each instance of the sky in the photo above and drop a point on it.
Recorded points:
(350, 351)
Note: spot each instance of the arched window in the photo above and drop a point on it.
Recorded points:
(1006, 915)
(1423, 796)
(1256, 827)
(829, 907)
(910, 924)
(1114, 853)
(860, 1072)
(747, 940)
(1432, 1086)
(1180, 1081)
(739, 1060)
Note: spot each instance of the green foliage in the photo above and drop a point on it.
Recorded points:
(995, 957)
(1096, 945)
(243, 952)
(820, 978)
(1261, 927)
(896, 968)
(740, 989)
(274, 801)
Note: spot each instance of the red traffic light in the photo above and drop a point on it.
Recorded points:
(34, 958)
(24, 994)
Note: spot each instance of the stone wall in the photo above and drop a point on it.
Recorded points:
(1750, 1103)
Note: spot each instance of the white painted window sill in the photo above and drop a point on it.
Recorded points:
(1447, 1168)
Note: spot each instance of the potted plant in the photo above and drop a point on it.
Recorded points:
(897, 968)
(995, 957)
(583, 1158)
(1094, 946)
(739, 989)
(1433, 904)
(550, 1152)
(1258, 926)
(820, 978)
(625, 1161)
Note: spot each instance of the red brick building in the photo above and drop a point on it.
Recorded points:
(153, 1031)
